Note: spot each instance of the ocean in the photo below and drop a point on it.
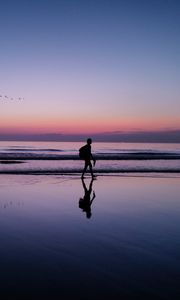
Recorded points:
(111, 158)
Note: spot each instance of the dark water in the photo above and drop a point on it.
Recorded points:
(128, 249)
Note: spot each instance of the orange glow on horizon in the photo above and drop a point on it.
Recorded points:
(43, 125)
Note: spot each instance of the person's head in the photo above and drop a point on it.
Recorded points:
(89, 141)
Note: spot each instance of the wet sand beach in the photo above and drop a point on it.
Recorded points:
(124, 245)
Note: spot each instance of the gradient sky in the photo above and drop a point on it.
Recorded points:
(89, 66)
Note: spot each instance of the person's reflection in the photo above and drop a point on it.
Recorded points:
(86, 201)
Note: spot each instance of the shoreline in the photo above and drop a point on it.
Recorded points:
(97, 173)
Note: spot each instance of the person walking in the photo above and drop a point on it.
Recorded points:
(86, 155)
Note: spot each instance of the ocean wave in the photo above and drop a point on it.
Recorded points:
(32, 150)
(98, 156)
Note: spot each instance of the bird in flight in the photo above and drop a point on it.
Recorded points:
(5, 97)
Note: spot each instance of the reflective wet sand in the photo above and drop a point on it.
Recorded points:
(56, 243)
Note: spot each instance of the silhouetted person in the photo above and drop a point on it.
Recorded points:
(86, 201)
(86, 155)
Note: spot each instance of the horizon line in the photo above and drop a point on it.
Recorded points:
(165, 136)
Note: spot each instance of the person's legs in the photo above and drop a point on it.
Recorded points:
(90, 168)
(87, 164)
(85, 168)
